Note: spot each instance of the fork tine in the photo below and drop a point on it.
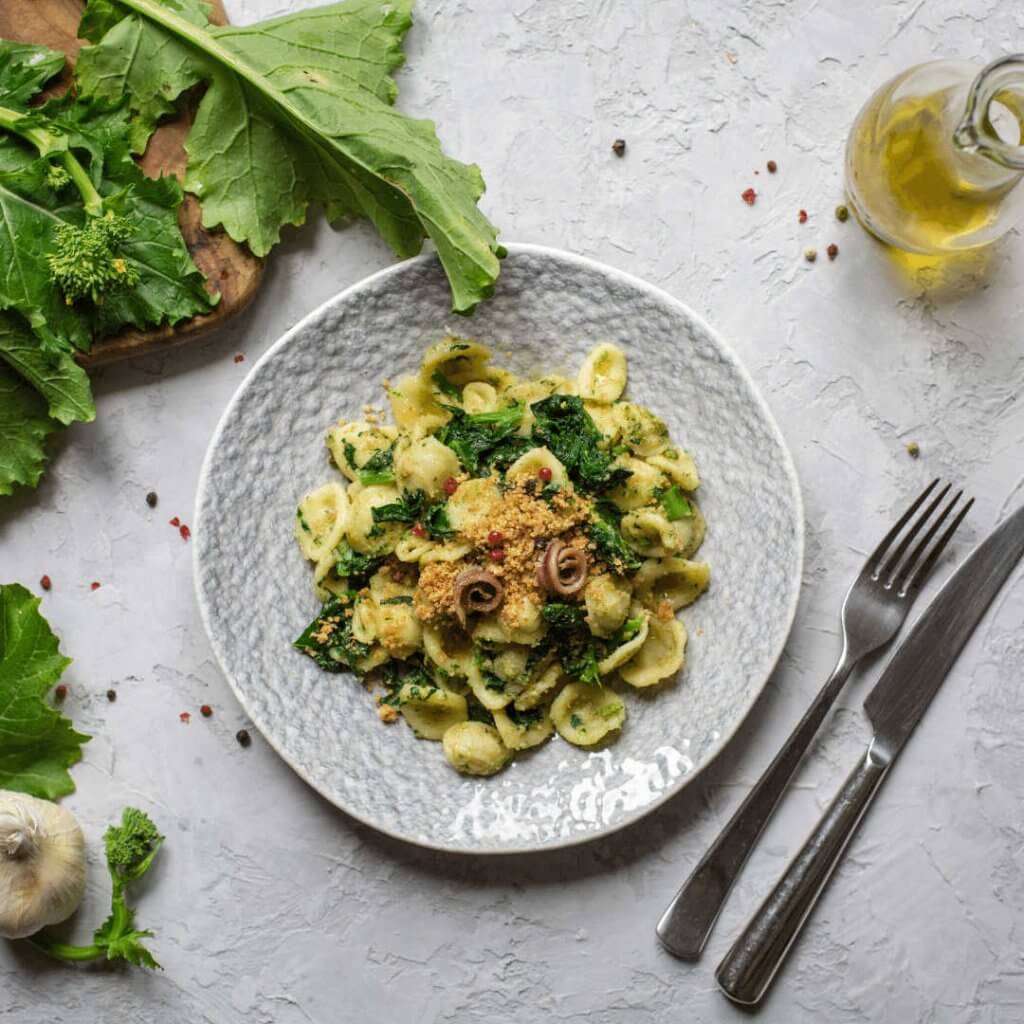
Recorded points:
(922, 571)
(878, 554)
(893, 561)
(899, 573)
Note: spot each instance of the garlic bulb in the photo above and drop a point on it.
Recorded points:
(42, 864)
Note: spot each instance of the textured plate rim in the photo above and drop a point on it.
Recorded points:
(789, 473)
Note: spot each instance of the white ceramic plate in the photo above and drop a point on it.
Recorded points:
(255, 589)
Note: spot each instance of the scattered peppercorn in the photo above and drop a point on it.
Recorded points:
(802, 216)
(495, 537)
(111, 695)
(496, 554)
(913, 449)
(151, 499)
(239, 358)
(451, 485)
(45, 582)
(749, 196)
(175, 522)
(810, 255)
(184, 717)
(833, 251)
(619, 147)
(94, 585)
(418, 530)
(545, 473)
(243, 737)
(61, 692)
(842, 213)
(184, 531)
(772, 166)
(205, 710)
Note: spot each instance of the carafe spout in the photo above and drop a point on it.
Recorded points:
(1002, 83)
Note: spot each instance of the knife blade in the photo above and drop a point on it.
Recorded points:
(923, 660)
(894, 707)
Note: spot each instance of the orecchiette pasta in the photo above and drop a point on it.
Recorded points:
(320, 520)
(660, 656)
(585, 714)
(475, 748)
(602, 377)
(506, 558)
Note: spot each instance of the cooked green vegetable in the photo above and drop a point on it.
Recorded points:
(353, 565)
(377, 468)
(37, 743)
(297, 110)
(407, 509)
(674, 502)
(445, 386)
(610, 544)
(131, 848)
(485, 442)
(437, 524)
(577, 648)
(328, 639)
(564, 427)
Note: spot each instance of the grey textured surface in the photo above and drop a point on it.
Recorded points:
(551, 310)
(271, 906)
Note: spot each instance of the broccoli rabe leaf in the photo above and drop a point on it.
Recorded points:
(610, 544)
(407, 509)
(378, 467)
(674, 502)
(24, 428)
(296, 110)
(446, 387)
(37, 743)
(564, 427)
(328, 639)
(577, 648)
(352, 565)
(437, 524)
(485, 442)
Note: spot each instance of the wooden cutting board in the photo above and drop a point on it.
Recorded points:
(229, 267)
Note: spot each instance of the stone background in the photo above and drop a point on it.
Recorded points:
(268, 905)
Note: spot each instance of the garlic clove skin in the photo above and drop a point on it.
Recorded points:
(42, 864)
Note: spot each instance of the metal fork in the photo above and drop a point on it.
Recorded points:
(874, 609)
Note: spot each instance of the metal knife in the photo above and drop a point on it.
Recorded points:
(893, 707)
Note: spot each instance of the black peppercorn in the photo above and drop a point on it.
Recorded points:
(111, 695)
(151, 499)
(619, 147)
(243, 737)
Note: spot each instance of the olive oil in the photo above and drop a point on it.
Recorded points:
(918, 178)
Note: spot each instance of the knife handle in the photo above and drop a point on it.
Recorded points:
(749, 967)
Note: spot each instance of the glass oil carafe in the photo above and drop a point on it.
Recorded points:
(934, 157)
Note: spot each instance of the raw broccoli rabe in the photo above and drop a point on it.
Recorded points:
(86, 260)
(131, 848)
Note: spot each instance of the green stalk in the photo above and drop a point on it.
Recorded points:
(49, 145)
(62, 951)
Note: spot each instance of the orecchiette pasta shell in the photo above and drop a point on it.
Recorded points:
(661, 656)
(449, 649)
(680, 469)
(607, 599)
(639, 429)
(366, 440)
(493, 693)
(651, 533)
(690, 531)
(524, 620)
(602, 378)
(584, 714)
(639, 489)
(622, 653)
(413, 406)
(474, 503)
(449, 551)
(364, 622)
(475, 748)
(366, 536)
(460, 362)
(545, 680)
(398, 630)
(530, 463)
(479, 396)
(377, 657)
(320, 520)
(676, 581)
(425, 465)
(605, 418)
(520, 735)
(431, 712)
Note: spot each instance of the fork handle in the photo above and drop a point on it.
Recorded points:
(687, 922)
(749, 967)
